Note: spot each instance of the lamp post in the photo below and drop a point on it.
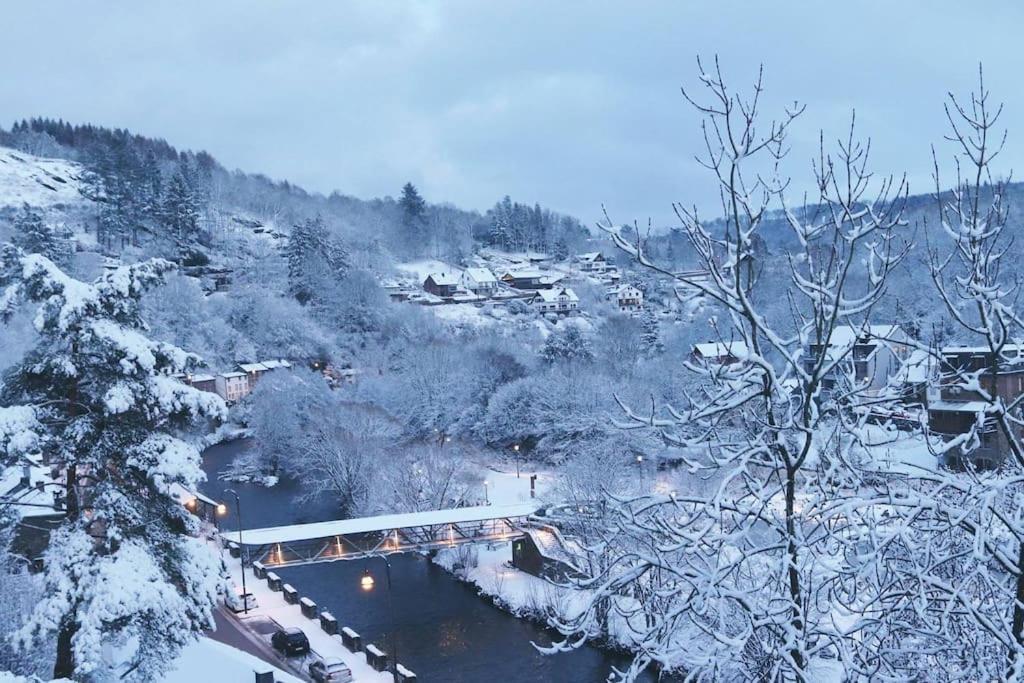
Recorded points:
(241, 548)
(640, 471)
(487, 497)
(367, 583)
(516, 449)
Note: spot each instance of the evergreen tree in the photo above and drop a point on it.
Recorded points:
(124, 570)
(314, 259)
(566, 343)
(561, 249)
(414, 210)
(180, 214)
(650, 336)
(34, 236)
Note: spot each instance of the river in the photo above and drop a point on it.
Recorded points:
(446, 632)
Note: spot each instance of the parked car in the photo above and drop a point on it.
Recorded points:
(331, 670)
(290, 642)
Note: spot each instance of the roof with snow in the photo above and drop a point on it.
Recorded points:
(736, 349)
(443, 279)
(845, 335)
(553, 295)
(232, 375)
(341, 527)
(959, 406)
(275, 364)
(525, 273)
(1008, 348)
(202, 378)
(252, 367)
(480, 275)
(591, 256)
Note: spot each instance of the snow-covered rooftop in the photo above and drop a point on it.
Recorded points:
(737, 349)
(845, 335)
(959, 406)
(480, 275)
(252, 367)
(443, 279)
(553, 295)
(298, 532)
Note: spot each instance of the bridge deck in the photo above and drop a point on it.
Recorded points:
(363, 525)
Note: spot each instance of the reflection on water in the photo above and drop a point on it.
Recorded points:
(445, 631)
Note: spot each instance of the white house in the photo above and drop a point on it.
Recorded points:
(593, 262)
(480, 281)
(232, 386)
(560, 301)
(627, 297)
(256, 370)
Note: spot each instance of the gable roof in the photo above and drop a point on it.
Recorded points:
(252, 367)
(591, 256)
(480, 275)
(552, 295)
(443, 279)
(736, 349)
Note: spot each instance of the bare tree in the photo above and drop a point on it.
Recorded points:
(733, 580)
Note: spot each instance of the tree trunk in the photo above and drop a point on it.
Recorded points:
(64, 666)
(795, 596)
(1018, 617)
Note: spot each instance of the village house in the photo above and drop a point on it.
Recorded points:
(233, 386)
(441, 284)
(526, 279)
(480, 281)
(868, 357)
(593, 262)
(202, 382)
(256, 370)
(718, 353)
(560, 301)
(627, 297)
(955, 410)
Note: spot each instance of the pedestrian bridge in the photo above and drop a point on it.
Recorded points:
(350, 539)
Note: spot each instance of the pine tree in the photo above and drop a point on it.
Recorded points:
(34, 236)
(124, 568)
(414, 210)
(313, 259)
(180, 213)
(650, 336)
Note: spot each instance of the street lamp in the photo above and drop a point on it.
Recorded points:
(640, 471)
(367, 583)
(487, 497)
(241, 548)
(516, 449)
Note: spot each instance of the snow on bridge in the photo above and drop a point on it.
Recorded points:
(348, 539)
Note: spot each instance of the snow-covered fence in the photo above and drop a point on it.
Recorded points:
(328, 624)
(308, 608)
(405, 676)
(352, 641)
(376, 657)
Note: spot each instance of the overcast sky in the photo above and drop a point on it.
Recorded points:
(572, 105)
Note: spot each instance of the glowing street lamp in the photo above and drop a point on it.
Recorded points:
(366, 582)
(640, 471)
(241, 548)
(515, 448)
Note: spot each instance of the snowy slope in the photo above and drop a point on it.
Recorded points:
(40, 182)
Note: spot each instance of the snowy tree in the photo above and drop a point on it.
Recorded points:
(650, 337)
(729, 578)
(180, 211)
(34, 236)
(414, 211)
(124, 568)
(566, 343)
(315, 261)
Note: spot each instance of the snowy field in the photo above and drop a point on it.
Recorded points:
(37, 181)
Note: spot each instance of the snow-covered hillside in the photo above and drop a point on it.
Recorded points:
(40, 182)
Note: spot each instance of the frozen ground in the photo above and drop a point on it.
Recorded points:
(208, 660)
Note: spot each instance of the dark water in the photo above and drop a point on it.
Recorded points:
(445, 631)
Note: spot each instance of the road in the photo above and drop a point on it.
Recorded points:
(231, 632)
